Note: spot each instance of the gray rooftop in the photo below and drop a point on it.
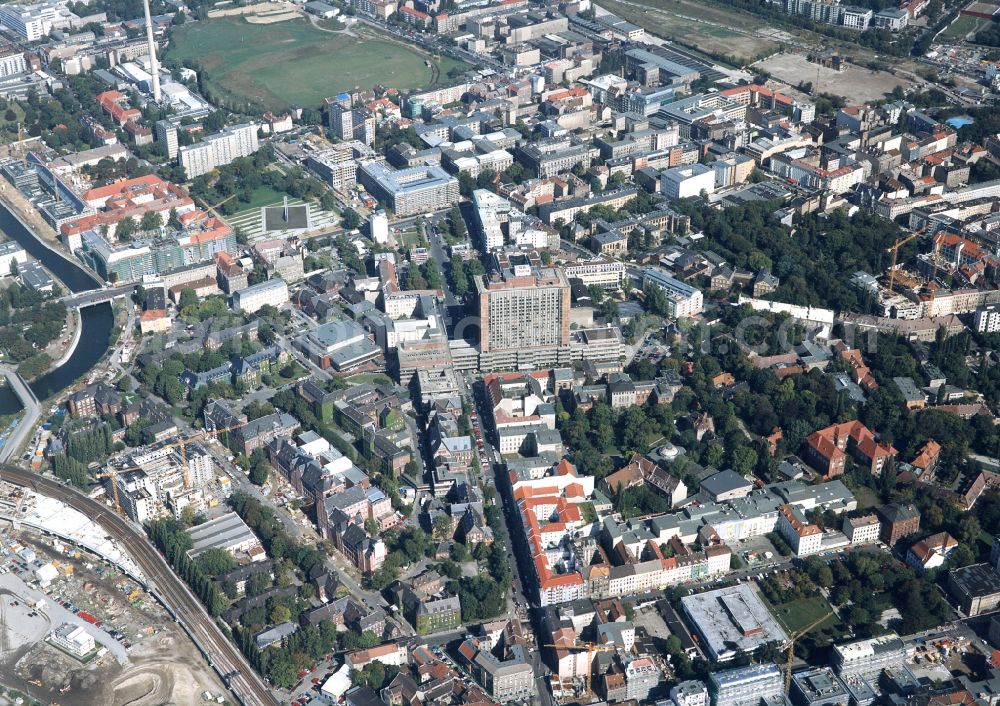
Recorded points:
(221, 533)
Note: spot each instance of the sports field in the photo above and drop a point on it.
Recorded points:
(294, 63)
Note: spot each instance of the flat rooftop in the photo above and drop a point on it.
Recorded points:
(732, 620)
(819, 685)
(222, 533)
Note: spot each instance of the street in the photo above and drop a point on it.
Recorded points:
(31, 412)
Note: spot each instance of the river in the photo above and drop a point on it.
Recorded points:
(96, 321)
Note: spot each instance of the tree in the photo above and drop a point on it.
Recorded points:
(715, 455)
(280, 614)
(960, 556)
(442, 526)
(350, 219)
(188, 298)
(743, 460)
(151, 220)
(459, 280)
(215, 121)
(456, 223)
(432, 274)
(215, 561)
(126, 228)
(258, 467)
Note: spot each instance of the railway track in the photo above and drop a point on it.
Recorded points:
(227, 660)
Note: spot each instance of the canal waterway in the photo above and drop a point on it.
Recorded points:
(96, 321)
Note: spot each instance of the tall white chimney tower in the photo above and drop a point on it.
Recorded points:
(154, 65)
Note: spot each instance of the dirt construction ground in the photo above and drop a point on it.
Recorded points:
(855, 84)
(152, 661)
(702, 26)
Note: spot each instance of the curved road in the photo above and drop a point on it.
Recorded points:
(221, 653)
(31, 413)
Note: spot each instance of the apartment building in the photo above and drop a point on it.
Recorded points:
(335, 166)
(34, 21)
(166, 133)
(683, 300)
(687, 181)
(273, 292)
(804, 537)
(745, 685)
(552, 157)
(11, 61)
(409, 191)
(861, 530)
(132, 261)
(523, 314)
(605, 272)
(349, 123)
(564, 211)
(218, 150)
(867, 658)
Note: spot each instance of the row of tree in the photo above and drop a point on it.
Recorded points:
(171, 537)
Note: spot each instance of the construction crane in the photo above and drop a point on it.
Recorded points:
(791, 647)
(937, 258)
(590, 648)
(112, 473)
(894, 249)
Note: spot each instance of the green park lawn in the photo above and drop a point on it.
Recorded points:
(799, 614)
(963, 25)
(294, 63)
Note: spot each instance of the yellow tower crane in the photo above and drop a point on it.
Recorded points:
(894, 249)
(181, 444)
(791, 647)
(590, 648)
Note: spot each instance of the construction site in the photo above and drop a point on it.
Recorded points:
(76, 628)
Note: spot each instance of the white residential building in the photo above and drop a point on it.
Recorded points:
(36, 21)
(492, 212)
(11, 252)
(856, 17)
(251, 299)
(683, 299)
(12, 62)
(605, 272)
(987, 319)
(379, 227)
(218, 150)
(686, 181)
(689, 693)
(746, 685)
(804, 537)
(166, 132)
(201, 468)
